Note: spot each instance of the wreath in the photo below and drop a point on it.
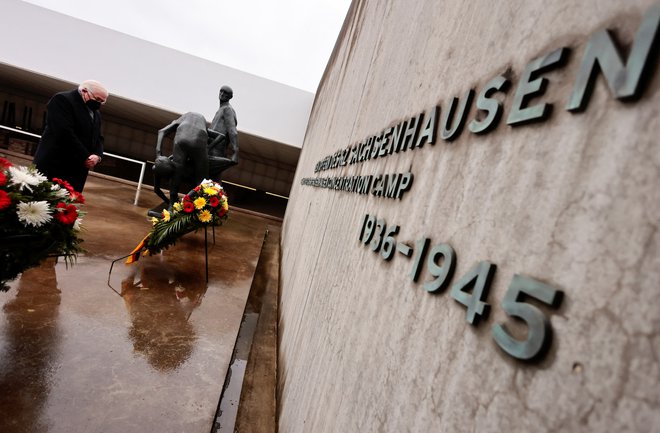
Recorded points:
(205, 205)
(39, 218)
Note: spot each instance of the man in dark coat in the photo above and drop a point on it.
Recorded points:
(71, 143)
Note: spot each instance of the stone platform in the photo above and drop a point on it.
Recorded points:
(144, 349)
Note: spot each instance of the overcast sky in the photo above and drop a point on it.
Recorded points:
(288, 41)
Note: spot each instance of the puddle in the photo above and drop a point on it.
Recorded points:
(231, 393)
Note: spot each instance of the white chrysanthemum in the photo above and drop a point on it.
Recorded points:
(33, 213)
(59, 191)
(40, 177)
(77, 225)
(25, 178)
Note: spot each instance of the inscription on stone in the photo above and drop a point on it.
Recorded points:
(626, 79)
(471, 290)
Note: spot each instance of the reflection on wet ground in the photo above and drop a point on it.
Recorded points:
(30, 343)
(160, 303)
(144, 349)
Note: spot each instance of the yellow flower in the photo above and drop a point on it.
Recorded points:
(204, 216)
(225, 205)
(199, 202)
(178, 206)
(154, 220)
(210, 191)
(166, 215)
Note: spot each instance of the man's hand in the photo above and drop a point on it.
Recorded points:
(92, 160)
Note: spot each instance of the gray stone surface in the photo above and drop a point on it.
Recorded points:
(572, 201)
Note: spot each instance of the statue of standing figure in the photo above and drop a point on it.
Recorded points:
(198, 152)
(224, 124)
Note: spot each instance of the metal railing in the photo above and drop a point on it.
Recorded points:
(112, 155)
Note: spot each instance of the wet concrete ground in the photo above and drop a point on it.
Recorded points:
(145, 351)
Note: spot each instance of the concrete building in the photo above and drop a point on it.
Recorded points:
(150, 85)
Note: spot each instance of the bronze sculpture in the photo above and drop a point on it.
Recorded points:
(189, 154)
(198, 152)
(224, 124)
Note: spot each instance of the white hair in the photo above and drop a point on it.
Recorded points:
(94, 86)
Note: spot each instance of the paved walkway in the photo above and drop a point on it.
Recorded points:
(143, 351)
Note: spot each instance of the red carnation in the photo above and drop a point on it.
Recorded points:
(5, 201)
(63, 183)
(77, 197)
(3, 179)
(66, 213)
(5, 164)
(186, 198)
(188, 206)
(214, 201)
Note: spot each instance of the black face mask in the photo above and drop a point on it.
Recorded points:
(93, 105)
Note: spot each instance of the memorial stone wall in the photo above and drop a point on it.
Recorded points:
(472, 238)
